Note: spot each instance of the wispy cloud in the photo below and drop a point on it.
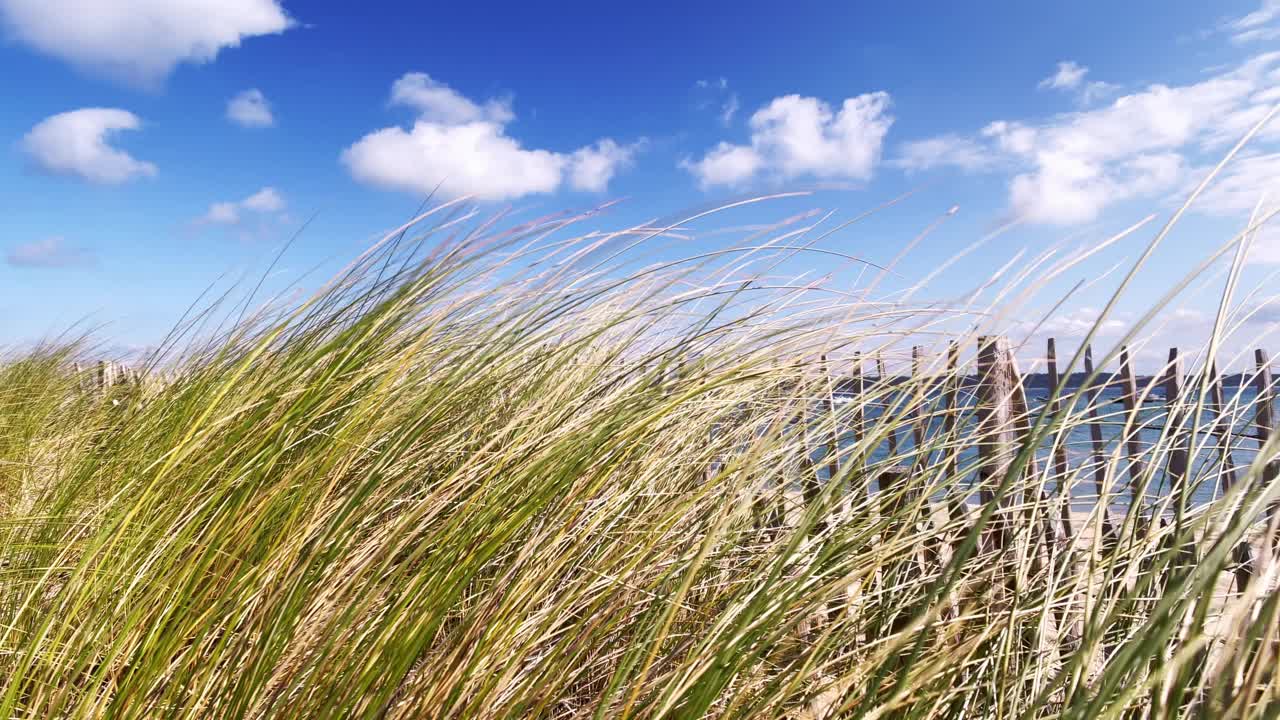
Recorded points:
(716, 93)
(51, 252)
(266, 201)
(1257, 26)
(250, 109)
(1069, 168)
(1070, 77)
(954, 150)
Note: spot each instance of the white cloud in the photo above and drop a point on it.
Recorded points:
(1265, 245)
(52, 252)
(250, 109)
(591, 168)
(1068, 77)
(1096, 91)
(729, 109)
(944, 150)
(1071, 167)
(796, 136)
(473, 159)
(139, 41)
(266, 201)
(1256, 26)
(1074, 323)
(716, 93)
(439, 103)
(463, 148)
(76, 143)
(725, 164)
(1243, 184)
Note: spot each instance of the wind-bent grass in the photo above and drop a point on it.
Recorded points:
(519, 477)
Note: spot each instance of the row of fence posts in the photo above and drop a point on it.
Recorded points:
(105, 374)
(1004, 423)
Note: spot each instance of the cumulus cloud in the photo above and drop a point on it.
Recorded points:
(250, 109)
(76, 143)
(463, 148)
(725, 164)
(52, 252)
(795, 136)
(139, 41)
(1071, 167)
(591, 168)
(266, 201)
(439, 103)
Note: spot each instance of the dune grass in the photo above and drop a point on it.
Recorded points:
(493, 473)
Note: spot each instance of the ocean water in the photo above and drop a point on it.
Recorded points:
(1207, 464)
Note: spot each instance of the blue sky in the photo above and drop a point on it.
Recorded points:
(150, 148)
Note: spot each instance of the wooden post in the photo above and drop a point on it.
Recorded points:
(856, 422)
(1099, 465)
(951, 408)
(1265, 412)
(893, 431)
(1222, 431)
(1132, 443)
(1060, 469)
(996, 430)
(1176, 470)
(833, 435)
(919, 427)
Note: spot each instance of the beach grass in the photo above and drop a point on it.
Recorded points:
(490, 472)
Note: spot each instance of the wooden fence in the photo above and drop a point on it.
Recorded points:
(1004, 425)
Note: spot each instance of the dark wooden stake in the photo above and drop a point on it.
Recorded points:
(1060, 468)
(1244, 561)
(893, 432)
(1176, 471)
(1132, 441)
(1099, 465)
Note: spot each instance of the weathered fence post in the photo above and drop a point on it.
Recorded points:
(920, 426)
(833, 435)
(1095, 438)
(1222, 432)
(883, 379)
(1265, 412)
(996, 430)
(856, 422)
(1132, 441)
(1179, 454)
(1060, 469)
(951, 409)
